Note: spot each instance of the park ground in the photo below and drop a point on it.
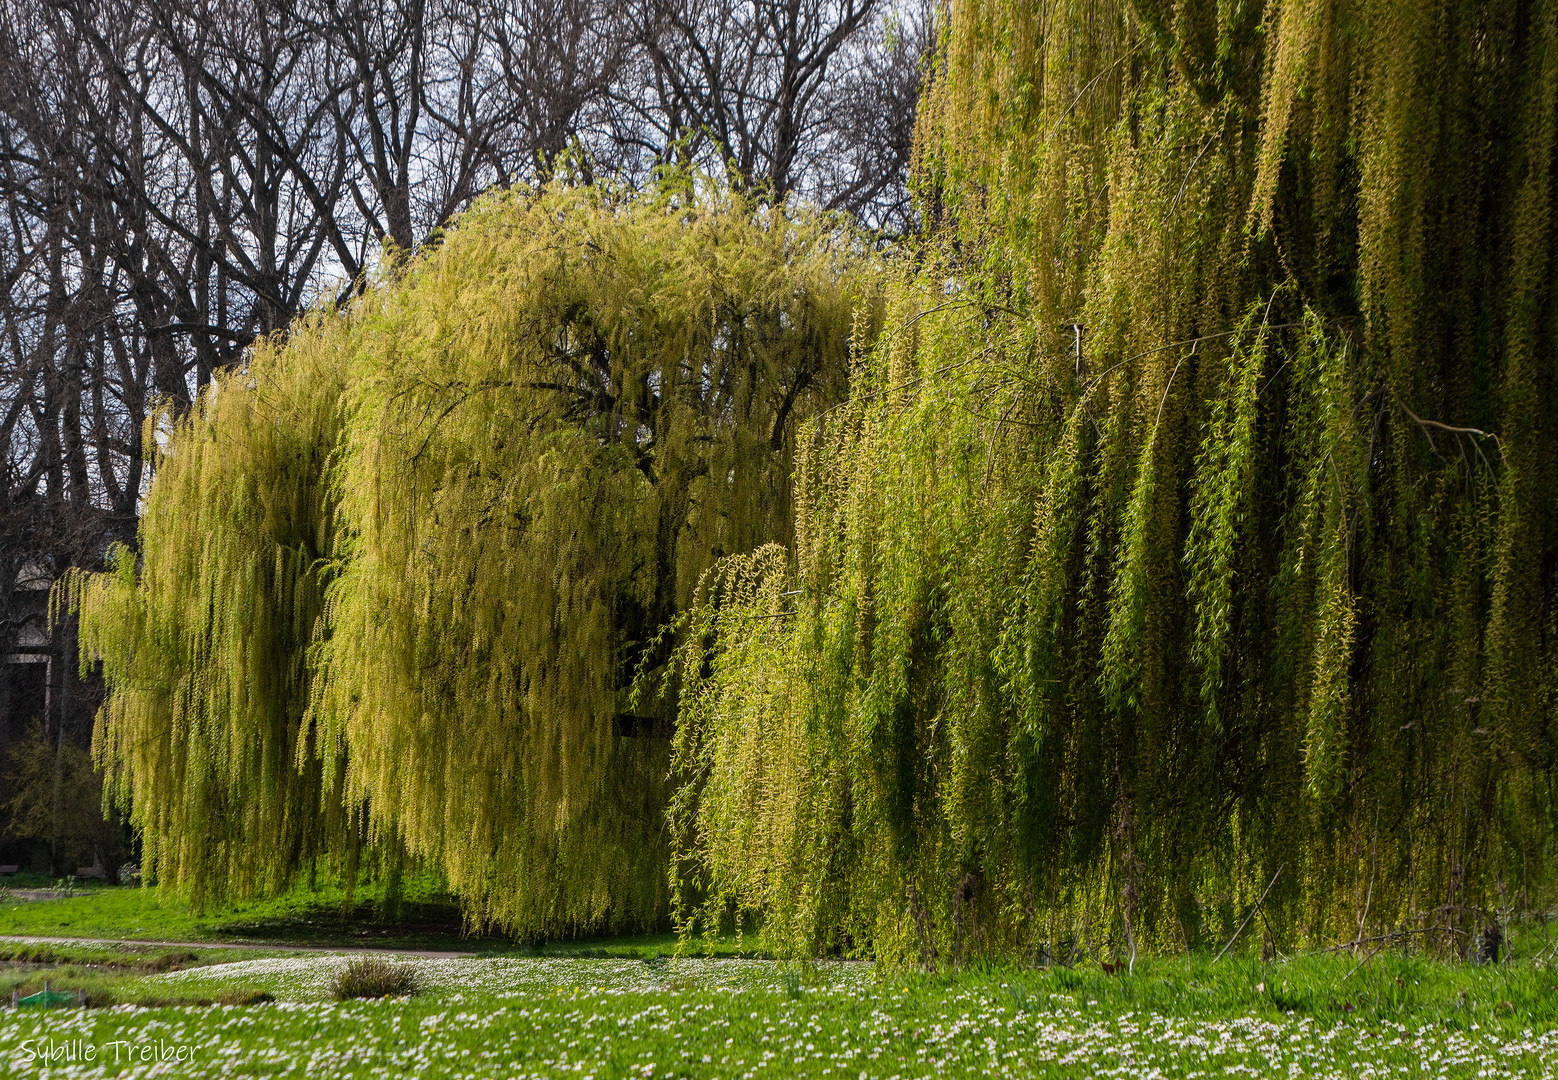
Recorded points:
(235, 995)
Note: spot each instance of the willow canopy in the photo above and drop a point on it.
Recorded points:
(1191, 529)
(397, 575)
(1188, 534)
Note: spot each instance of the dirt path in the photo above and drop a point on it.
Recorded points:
(344, 950)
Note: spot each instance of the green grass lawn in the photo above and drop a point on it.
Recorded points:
(723, 1018)
(426, 920)
(628, 1007)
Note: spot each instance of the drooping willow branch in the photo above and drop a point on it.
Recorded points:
(1116, 650)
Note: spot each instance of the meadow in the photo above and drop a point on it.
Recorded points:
(639, 1007)
(1320, 1016)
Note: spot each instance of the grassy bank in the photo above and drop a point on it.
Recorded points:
(116, 974)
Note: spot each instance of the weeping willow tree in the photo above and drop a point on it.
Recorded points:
(1191, 529)
(203, 634)
(562, 419)
(398, 574)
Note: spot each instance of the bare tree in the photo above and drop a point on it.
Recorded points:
(814, 97)
(859, 157)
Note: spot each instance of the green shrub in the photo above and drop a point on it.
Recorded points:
(373, 977)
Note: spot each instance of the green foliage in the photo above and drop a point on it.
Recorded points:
(1190, 525)
(396, 575)
(203, 633)
(53, 795)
